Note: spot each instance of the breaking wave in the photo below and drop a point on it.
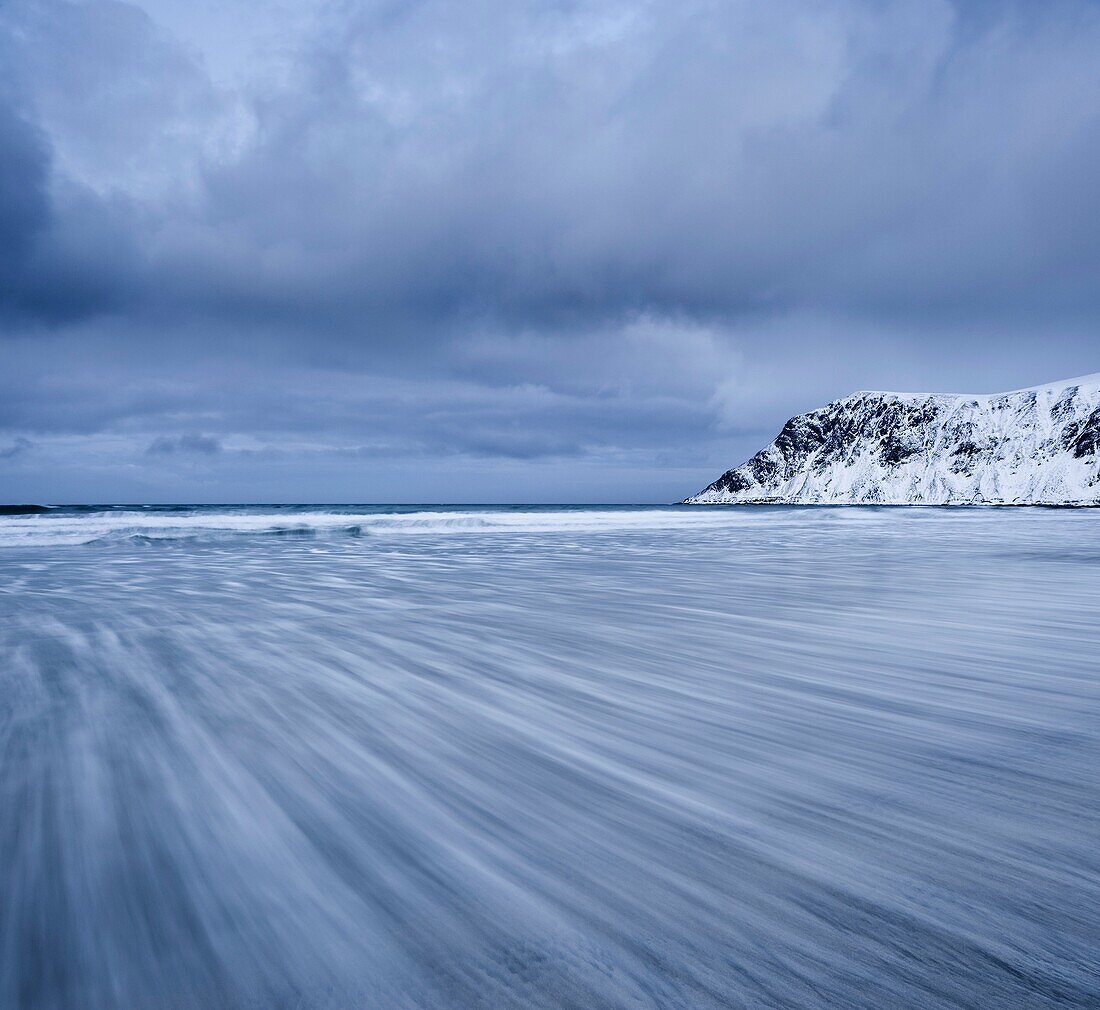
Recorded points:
(64, 526)
(23, 510)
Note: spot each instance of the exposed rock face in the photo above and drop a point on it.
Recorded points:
(1037, 446)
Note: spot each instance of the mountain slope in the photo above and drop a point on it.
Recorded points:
(1038, 446)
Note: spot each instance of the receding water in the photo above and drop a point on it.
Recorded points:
(549, 758)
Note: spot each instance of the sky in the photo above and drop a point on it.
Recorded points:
(506, 250)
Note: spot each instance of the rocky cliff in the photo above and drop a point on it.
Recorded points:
(1038, 446)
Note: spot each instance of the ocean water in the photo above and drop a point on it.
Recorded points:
(560, 758)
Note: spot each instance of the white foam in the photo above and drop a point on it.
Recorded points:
(46, 530)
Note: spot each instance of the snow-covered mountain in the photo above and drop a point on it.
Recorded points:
(1038, 446)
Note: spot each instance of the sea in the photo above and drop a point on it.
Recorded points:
(431, 757)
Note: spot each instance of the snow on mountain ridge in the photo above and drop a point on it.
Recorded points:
(1092, 379)
(1039, 445)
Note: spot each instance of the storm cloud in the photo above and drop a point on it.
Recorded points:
(502, 250)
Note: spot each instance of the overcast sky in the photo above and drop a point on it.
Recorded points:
(501, 250)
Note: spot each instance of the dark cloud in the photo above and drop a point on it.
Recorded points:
(201, 445)
(17, 448)
(602, 232)
(24, 207)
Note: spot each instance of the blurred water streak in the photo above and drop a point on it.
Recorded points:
(563, 758)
